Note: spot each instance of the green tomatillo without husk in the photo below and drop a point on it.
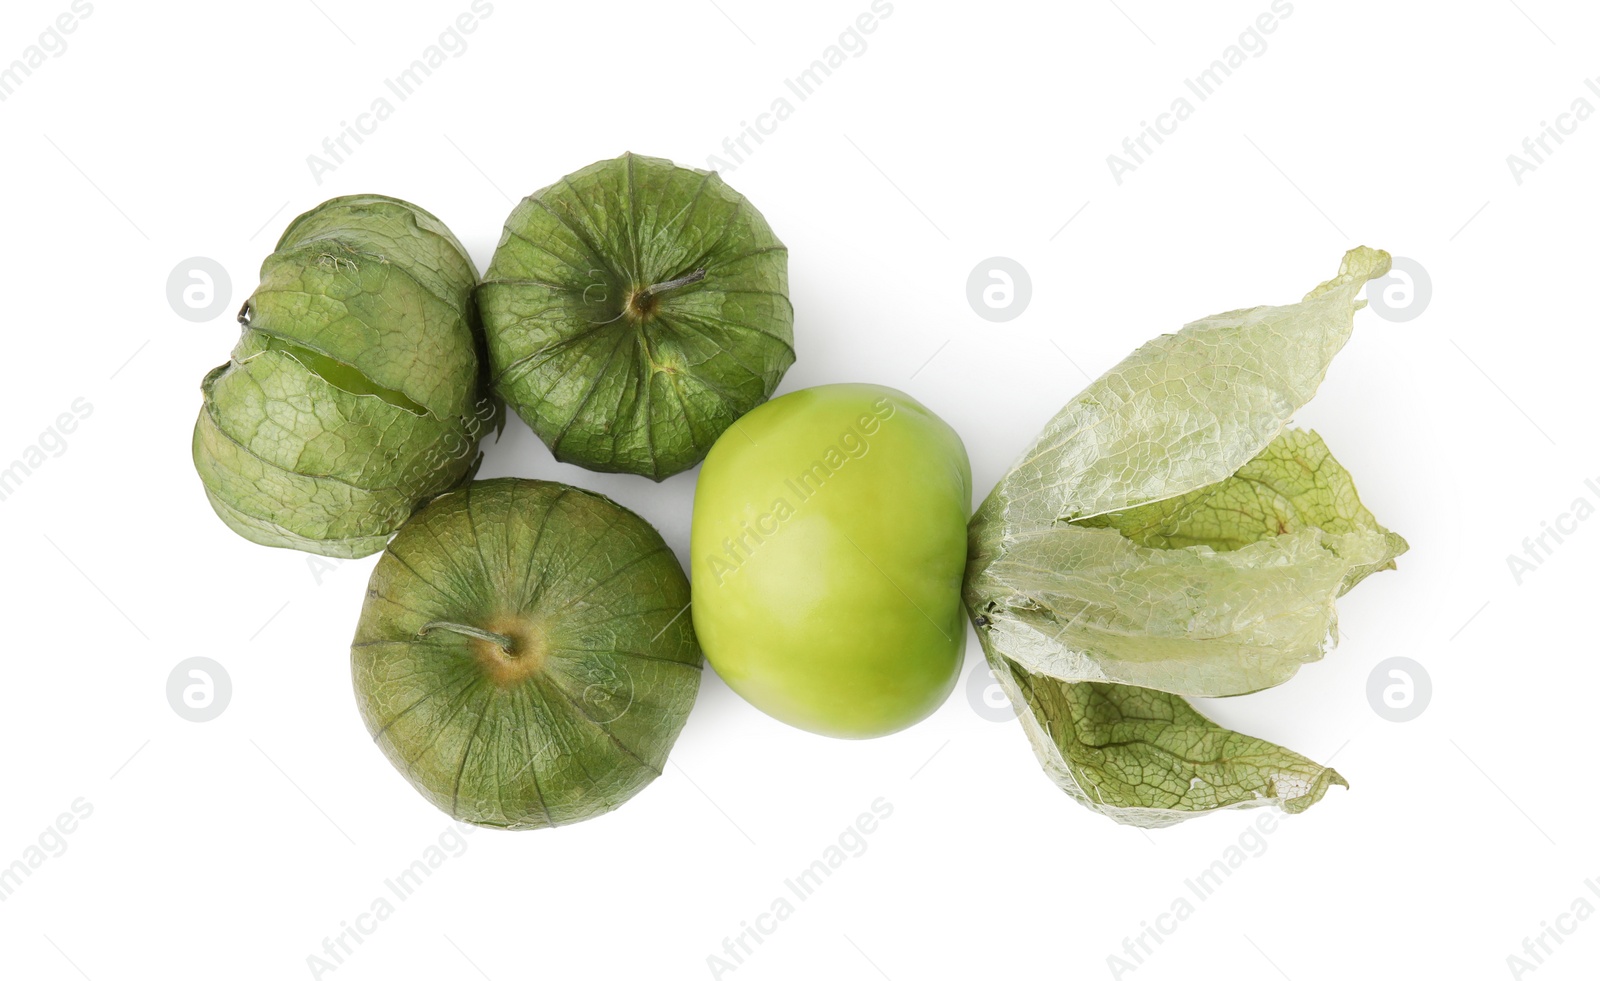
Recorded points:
(524, 656)
(634, 310)
(827, 552)
(355, 391)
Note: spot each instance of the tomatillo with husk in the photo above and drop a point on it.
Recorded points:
(524, 656)
(354, 392)
(633, 311)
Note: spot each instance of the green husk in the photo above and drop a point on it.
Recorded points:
(353, 394)
(634, 310)
(524, 657)
(1167, 536)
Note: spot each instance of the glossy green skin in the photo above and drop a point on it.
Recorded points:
(833, 601)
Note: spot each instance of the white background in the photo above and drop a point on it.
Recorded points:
(233, 848)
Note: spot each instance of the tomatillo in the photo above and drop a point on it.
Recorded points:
(829, 542)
